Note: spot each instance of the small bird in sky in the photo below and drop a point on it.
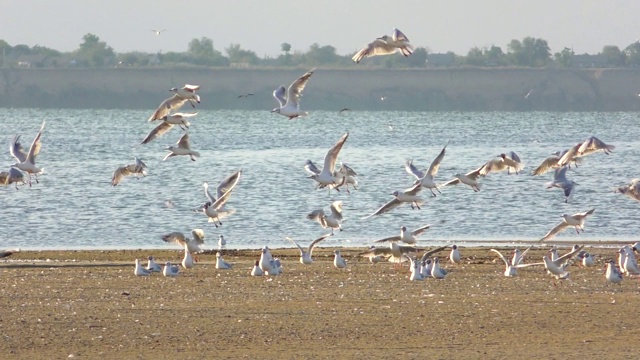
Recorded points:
(244, 95)
(158, 32)
(343, 110)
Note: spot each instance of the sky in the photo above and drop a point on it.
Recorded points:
(262, 25)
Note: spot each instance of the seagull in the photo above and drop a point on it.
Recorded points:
(631, 190)
(436, 271)
(166, 106)
(510, 264)
(386, 45)
(138, 168)
(586, 258)
(158, 32)
(193, 245)
(343, 110)
(405, 236)
(415, 268)
(454, 255)
(265, 260)
(168, 121)
(215, 208)
(187, 261)
(170, 270)
(338, 261)
(244, 95)
(409, 195)
(256, 271)
(221, 241)
(13, 176)
(333, 221)
(27, 161)
(183, 148)
(470, 179)
(575, 220)
(503, 162)
(629, 263)
(346, 176)
(592, 145)
(569, 155)
(152, 266)
(188, 92)
(327, 176)
(140, 271)
(220, 263)
(374, 259)
(552, 162)
(305, 255)
(426, 178)
(6, 253)
(289, 99)
(560, 181)
(557, 267)
(613, 275)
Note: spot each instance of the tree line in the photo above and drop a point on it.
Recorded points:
(528, 52)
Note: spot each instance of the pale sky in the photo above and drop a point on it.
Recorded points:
(262, 25)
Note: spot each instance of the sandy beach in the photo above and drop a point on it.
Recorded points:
(88, 304)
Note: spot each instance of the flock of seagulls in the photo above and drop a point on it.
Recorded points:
(331, 176)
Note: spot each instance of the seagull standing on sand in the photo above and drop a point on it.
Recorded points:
(575, 220)
(289, 99)
(333, 221)
(170, 270)
(409, 195)
(510, 264)
(265, 260)
(220, 263)
(613, 275)
(152, 265)
(386, 45)
(256, 271)
(327, 176)
(138, 168)
(305, 255)
(140, 271)
(182, 147)
(27, 161)
(558, 267)
(187, 261)
(436, 271)
(426, 178)
(338, 261)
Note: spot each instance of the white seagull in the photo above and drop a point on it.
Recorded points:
(386, 45)
(511, 264)
(631, 190)
(27, 161)
(552, 162)
(558, 267)
(140, 271)
(560, 181)
(289, 99)
(426, 178)
(168, 121)
(138, 168)
(256, 271)
(215, 208)
(221, 241)
(182, 147)
(158, 32)
(409, 195)
(454, 255)
(193, 245)
(327, 176)
(170, 270)
(470, 179)
(265, 260)
(576, 220)
(510, 162)
(187, 261)
(220, 263)
(188, 92)
(406, 236)
(338, 261)
(612, 274)
(305, 255)
(436, 271)
(333, 221)
(592, 145)
(166, 106)
(152, 265)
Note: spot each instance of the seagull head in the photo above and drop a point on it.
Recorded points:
(218, 255)
(395, 193)
(150, 258)
(404, 228)
(503, 155)
(175, 90)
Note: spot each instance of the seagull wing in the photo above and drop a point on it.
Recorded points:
(222, 200)
(558, 228)
(547, 164)
(228, 183)
(420, 230)
(414, 190)
(377, 47)
(566, 257)
(569, 155)
(376, 251)
(34, 149)
(412, 170)
(506, 262)
(311, 168)
(157, 132)
(394, 203)
(295, 89)
(431, 252)
(175, 237)
(296, 244)
(16, 149)
(474, 173)
(332, 155)
(120, 174)
(390, 238)
(493, 165)
(207, 193)
(172, 103)
(198, 236)
(399, 35)
(316, 241)
(435, 165)
(336, 210)
(184, 141)
(279, 94)
(583, 215)
(521, 257)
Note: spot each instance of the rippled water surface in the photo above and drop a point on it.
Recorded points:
(74, 205)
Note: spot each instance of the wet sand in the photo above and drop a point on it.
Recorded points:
(88, 304)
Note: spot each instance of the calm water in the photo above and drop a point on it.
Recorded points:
(74, 205)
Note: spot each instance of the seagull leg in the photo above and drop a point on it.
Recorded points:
(432, 193)
(418, 206)
(191, 102)
(36, 175)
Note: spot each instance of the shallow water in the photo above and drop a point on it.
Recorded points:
(74, 205)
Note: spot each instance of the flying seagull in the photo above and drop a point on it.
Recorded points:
(289, 99)
(27, 161)
(386, 45)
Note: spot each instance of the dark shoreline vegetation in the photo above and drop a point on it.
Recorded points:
(527, 77)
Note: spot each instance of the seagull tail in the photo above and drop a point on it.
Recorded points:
(195, 153)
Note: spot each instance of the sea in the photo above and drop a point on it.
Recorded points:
(74, 206)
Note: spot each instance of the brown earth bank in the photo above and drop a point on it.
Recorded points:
(449, 89)
(89, 304)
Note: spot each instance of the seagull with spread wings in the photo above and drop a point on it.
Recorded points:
(333, 221)
(27, 161)
(386, 45)
(407, 237)
(305, 255)
(137, 168)
(327, 176)
(426, 178)
(289, 99)
(182, 147)
(560, 181)
(215, 208)
(575, 220)
(409, 195)
(192, 245)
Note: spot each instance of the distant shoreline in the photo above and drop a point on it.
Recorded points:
(446, 89)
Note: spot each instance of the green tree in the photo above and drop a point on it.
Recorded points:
(475, 57)
(613, 54)
(529, 52)
(563, 58)
(494, 56)
(238, 55)
(325, 55)
(94, 52)
(418, 58)
(285, 47)
(201, 52)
